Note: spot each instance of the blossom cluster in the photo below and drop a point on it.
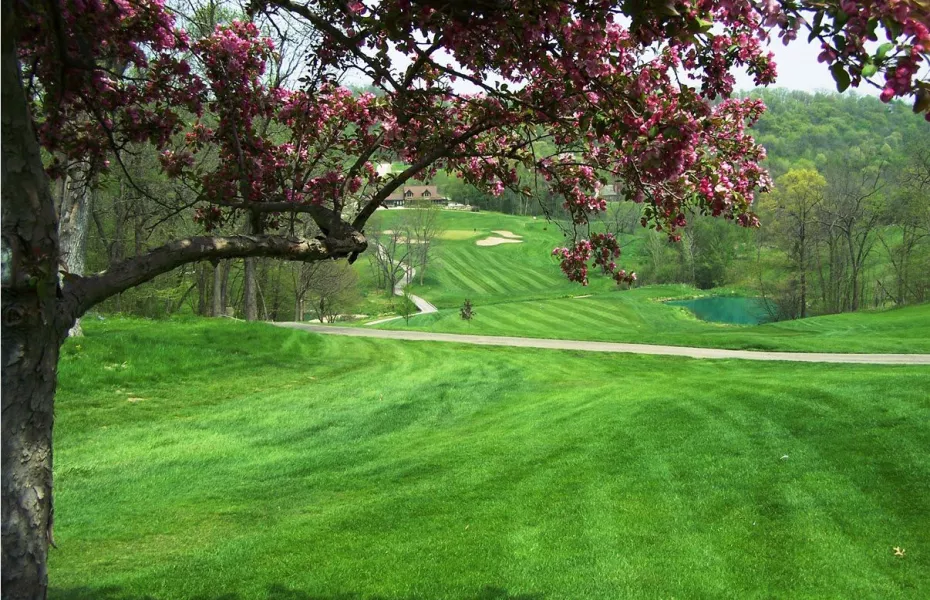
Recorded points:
(599, 250)
(105, 73)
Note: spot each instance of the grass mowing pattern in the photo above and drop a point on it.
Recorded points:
(218, 460)
(638, 316)
(461, 269)
(518, 290)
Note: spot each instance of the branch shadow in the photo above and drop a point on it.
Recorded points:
(275, 592)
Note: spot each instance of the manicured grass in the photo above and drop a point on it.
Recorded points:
(461, 269)
(518, 290)
(219, 460)
(639, 316)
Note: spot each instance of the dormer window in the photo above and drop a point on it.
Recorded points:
(426, 194)
(408, 194)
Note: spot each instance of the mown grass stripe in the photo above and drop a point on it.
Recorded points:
(486, 279)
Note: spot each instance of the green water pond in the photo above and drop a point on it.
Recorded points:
(736, 310)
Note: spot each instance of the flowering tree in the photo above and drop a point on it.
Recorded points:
(635, 91)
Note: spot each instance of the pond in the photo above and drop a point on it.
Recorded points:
(736, 310)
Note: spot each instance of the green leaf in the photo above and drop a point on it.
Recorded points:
(840, 76)
(703, 25)
(894, 28)
(585, 123)
(665, 8)
(817, 27)
(871, 26)
(883, 50)
(840, 19)
(869, 69)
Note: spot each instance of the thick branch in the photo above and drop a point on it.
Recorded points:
(81, 293)
(328, 220)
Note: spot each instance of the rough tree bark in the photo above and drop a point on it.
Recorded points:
(250, 291)
(33, 330)
(74, 208)
(218, 296)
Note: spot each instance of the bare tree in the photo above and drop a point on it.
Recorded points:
(907, 214)
(852, 202)
(421, 226)
(332, 288)
(390, 257)
(407, 307)
(793, 206)
(656, 247)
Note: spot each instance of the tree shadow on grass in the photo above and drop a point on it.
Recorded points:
(277, 592)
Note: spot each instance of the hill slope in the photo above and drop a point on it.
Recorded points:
(215, 460)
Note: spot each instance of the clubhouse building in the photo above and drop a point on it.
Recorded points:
(415, 194)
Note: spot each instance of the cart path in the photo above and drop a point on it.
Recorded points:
(423, 305)
(587, 346)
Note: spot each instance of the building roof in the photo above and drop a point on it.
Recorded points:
(416, 192)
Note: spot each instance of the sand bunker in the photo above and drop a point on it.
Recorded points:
(494, 241)
(506, 237)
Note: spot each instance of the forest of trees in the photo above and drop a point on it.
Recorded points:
(846, 225)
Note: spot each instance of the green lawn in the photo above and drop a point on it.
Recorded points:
(461, 269)
(518, 290)
(219, 460)
(638, 315)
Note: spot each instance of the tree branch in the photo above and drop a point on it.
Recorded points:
(411, 171)
(81, 293)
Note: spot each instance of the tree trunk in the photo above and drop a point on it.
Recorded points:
(854, 273)
(32, 331)
(250, 291)
(74, 207)
(30, 356)
(224, 285)
(201, 289)
(276, 297)
(219, 309)
(424, 258)
(802, 263)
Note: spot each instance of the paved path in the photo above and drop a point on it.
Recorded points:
(487, 340)
(423, 306)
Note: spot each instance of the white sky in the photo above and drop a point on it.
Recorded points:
(798, 69)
